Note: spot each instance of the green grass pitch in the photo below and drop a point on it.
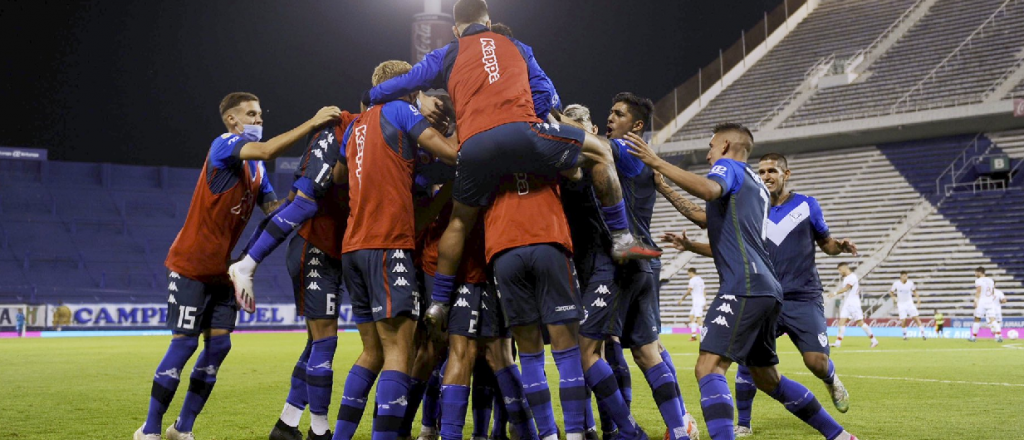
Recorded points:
(72, 388)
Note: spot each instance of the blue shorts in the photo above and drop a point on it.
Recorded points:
(639, 315)
(600, 306)
(537, 284)
(475, 312)
(194, 306)
(804, 322)
(382, 284)
(742, 329)
(316, 280)
(517, 147)
(656, 269)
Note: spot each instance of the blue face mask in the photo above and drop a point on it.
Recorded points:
(252, 133)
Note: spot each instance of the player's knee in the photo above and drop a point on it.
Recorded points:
(817, 363)
(765, 378)
(647, 356)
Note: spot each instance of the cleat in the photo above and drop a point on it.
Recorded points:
(282, 431)
(626, 247)
(692, 428)
(972, 339)
(241, 278)
(837, 344)
(640, 435)
(742, 431)
(874, 343)
(904, 338)
(427, 433)
(924, 337)
(846, 436)
(326, 436)
(436, 319)
(999, 339)
(173, 434)
(140, 436)
(591, 434)
(840, 397)
(610, 435)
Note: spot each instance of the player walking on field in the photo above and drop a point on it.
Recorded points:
(985, 305)
(904, 292)
(850, 309)
(200, 299)
(696, 288)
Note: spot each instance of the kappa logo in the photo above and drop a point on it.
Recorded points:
(465, 290)
(398, 254)
(314, 262)
(822, 339)
(173, 287)
(401, 282)
(172, 373)
(720, 320)
(172, 300)
(599, 303)
(462, 303)
(603, 290)
(313, 274)
(360, 143)
(326, 365)
(175, 275)
(728, 297)
(565, 308)
(315, 251)
(401, 401)
(313, 286)
(490, 60)
(210, 370)
(400, 268)
(725, 308)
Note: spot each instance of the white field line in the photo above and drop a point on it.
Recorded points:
(918, 379)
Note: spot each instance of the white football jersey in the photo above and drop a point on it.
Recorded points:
(697, 289)
(854, 293)
(904, 292)
(999, 296)
(988, 289)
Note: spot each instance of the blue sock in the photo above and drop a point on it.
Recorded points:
(511, 385)
(830, 376)
(615, 216)
(432, 398)
(416, 389)
(298, 397)
(602, 381)
(165, 381)
(353, 401)
(607, 423)
(617, 360)
(263, 225)
(204, 377)
(538, 395)
(716, 403)
(572, 389)
(666, 357)
(499, 428)
(391, 400)
(282, 222)
(588, 411)
(802, 403)
(320, 380)
(745, 392)
(484, 389)
(443, 287)
(454, 402)
(666, 396)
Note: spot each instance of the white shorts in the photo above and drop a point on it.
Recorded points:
(851, 310)
(989, 311)
(697, 310)
(907, 310)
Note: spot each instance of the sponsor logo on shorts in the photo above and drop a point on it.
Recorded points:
(315, 251)
(565, 308)
(171, 299)
(822, 339)
(173, 287)
(720, 320)
(175, 275)
(725, 308)
(465, 290)
(728, 297)
(490, 60)
(400, 268)
(603, 290)
(314, 262)
(561, 160)
(462, 303)
(313, 274)
(401, 282)
(599, 303)
(313, 286)
(377, 309)
(398, 254)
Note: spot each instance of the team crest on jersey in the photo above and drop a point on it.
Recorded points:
(822, 339)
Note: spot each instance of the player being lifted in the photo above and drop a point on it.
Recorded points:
(696, 288)
(233, 181)
(488, 78)
(904, 293)
(796, 228)
(985, 305)
(850, 310)
(742, 319)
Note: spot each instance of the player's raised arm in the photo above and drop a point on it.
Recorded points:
(685, 207)
(683, 243)
(441, 147)
(699, 186)
(426, 74)
(255, 150)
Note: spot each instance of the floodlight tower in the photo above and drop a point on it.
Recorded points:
(431, 30)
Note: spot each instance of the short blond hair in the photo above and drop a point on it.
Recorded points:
(580, 114)
(389, 69)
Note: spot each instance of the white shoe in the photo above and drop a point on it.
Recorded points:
(742, 431)
(427, 433)
(904, 337)
(836, 344)
(840, 397)
(924, 337)
(846, 436)
(874, 342)
(692, 429)
(173, 434)
(241, 274)
(140, 436)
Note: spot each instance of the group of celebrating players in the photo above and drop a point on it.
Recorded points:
(461, 223)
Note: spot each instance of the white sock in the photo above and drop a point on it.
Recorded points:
(997, 330)
(922, 330)
(974, 329)
(693, 329)
(247, 265)
(291, 415)
(842, 331)
(318, 423)
(867, 330)
(904, 332)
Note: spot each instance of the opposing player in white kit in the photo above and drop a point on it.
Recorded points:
(985, 305)
(904, 292)
(696, 288)
(850, 309)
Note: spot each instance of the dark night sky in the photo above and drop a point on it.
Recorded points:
(139, 81)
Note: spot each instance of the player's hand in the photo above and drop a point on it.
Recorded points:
(432, 108)
(640, 149)
(848, 246)
(679, 242)
(325, 115)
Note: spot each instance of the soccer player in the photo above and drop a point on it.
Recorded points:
(488, 77)
(850, 309)
(314, 265)
(904, 293)
(696, 288)
(742, 319)
(998, 318)
(381, 149)
(940, 321)
(233, 181)
(796, 228)
(19, 323)
(984, 304)
(545, 97)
